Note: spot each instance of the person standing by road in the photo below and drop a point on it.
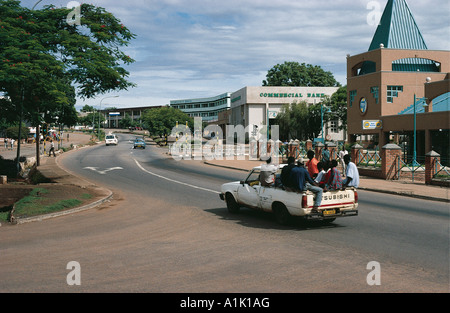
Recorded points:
(351, 174)
(325, 154)
(12, 141)
(52, 149)
(342, 153)
(6, 143)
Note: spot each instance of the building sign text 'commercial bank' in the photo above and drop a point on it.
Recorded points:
(290, 95)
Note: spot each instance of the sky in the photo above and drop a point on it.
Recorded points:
(188, 49)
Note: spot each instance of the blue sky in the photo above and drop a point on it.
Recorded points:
(202, 48)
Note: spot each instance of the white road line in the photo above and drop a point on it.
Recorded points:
(174, 181)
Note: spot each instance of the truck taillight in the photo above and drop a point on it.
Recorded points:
(304, 201)
(356, 197)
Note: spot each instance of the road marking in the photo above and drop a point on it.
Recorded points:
(174, 181)
(95, 169)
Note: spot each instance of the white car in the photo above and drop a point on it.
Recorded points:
(111, 139)
(285, 204)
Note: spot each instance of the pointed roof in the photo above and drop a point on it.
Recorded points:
(398, 29)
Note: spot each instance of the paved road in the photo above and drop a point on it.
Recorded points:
(167, 231)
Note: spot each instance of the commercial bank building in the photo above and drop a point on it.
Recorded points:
(256, 107)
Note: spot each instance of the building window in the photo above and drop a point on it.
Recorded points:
(334, 126)
(352, 97)
(374, 91)
(392, 92)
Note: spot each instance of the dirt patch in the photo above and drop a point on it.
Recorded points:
(34, 200)
(10, 194)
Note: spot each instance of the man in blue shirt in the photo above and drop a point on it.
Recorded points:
(302, 181)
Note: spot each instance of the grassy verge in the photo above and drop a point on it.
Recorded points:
(40, 201)
(4, 214)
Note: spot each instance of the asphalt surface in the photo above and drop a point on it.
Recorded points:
(167, 231)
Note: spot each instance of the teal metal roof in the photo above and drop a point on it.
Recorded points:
(440, 104)
(398, 30)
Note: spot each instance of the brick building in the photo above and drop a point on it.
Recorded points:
(399, 90)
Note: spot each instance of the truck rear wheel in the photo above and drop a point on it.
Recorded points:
(232, 205)
(281, 214)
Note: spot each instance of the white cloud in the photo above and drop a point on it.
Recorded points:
(200, 48)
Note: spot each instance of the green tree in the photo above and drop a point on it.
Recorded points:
(338, 106)
(126, 121)
(299, 75)
(13, 132)
(299, 120)
(87, 108)
(161, 121)
(43, 58)
(92, 119)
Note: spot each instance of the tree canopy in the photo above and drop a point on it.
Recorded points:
(303, 121)
(338, 103)
(45, 61)
(299, 120)
(299, 75)
(161, 121)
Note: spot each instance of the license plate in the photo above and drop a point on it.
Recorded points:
(329, 212)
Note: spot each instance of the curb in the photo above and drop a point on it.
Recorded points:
(224, 166)
(40, 218)
(404, 194)
(92, 205)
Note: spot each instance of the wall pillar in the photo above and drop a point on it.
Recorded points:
(390, 154)
(333, 150)
(432, 161)
(354, 153)
(318, 151)
(309, 145)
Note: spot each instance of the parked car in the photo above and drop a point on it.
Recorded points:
(111, 139)
(139, 143)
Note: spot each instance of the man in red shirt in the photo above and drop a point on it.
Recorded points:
(311, 165)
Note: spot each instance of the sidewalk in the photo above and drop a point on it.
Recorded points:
(61, 179)
(29, 149)
(401, 188)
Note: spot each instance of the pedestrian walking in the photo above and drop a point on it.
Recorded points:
(6, 143)
(12, 143)
(52, 149)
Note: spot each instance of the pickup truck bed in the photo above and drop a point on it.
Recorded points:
(285, 204)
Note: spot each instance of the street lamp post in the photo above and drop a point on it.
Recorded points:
(322, 107)
(99, 112)
(416, 101)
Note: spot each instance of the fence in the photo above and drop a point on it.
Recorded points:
(410, 168)
(369, 158)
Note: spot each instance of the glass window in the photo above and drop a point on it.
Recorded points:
(392, 92)
(253, 178)
(374, 91)
(352, 97)
(334, 126)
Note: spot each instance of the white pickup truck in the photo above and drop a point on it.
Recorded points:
(285, 204)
